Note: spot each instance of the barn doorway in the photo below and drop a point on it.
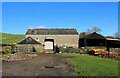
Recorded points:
(49, 44)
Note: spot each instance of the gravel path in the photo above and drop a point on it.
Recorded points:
(41, 65)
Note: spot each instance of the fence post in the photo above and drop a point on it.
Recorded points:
(22, 49)
(15, 48)
(27, 49)
(79, 50)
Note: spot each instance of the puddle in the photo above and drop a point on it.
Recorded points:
(11, 73)
(49, 66)
(8, 72)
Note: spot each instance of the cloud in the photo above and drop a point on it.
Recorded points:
(38, 27)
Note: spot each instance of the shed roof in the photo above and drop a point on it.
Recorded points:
(112, 39)
(93, 35)
(52, 32)
(28, 40)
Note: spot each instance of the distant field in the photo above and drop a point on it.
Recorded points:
(11, 38)
(86, 65)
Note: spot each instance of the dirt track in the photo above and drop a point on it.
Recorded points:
(36, 66)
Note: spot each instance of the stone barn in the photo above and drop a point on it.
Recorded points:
(54, 37)
(47, 39)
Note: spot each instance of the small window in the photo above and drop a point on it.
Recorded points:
(37, 39)
(28, 39)
(63, 46)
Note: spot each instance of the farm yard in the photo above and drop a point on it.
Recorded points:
(41, 65)
(64, 64)
(66, 61)
(59, 39)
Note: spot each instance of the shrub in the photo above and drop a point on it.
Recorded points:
(84, 50)
(6, 49)
(109, 55)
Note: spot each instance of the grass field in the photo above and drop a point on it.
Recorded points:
(86, 65)
(11, 38)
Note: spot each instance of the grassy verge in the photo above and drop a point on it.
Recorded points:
(11, 38)
(86, 65)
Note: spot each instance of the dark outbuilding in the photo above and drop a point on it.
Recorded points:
(95, 39)
(92, 39)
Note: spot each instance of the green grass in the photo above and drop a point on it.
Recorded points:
(11, 38)
(88, 65)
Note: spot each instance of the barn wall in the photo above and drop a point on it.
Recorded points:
(67, 40)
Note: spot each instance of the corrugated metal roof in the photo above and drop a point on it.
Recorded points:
(52, 32)
(113, 39)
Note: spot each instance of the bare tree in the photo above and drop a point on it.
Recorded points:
(89, 31)
(83, 34)
(110, 37)
(116, 35)
(96, 29)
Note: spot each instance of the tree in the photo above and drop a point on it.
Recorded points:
(83, 34)
(110, 37)
(89, 31)
(96, 29)
(116, 35)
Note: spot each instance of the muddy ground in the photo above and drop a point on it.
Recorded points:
(41, 65)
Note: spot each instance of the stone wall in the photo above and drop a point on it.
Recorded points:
(37, 47)
(115, 50)
(87, 49)
(67, 40)
(6, 49)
